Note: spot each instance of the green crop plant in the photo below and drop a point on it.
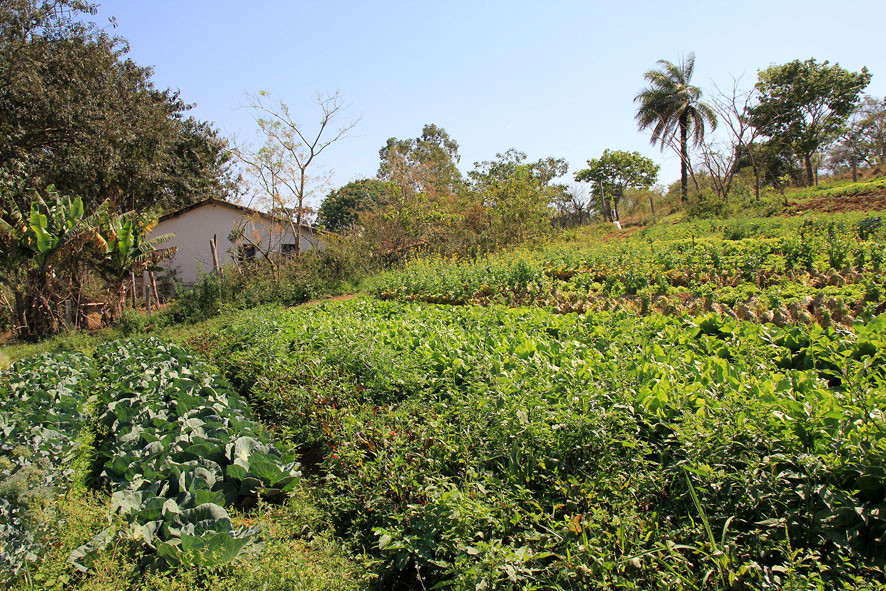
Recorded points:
(43, 415)
(517, 448)
(180, 446)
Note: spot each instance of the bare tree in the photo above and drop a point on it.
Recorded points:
(574, 204)
(721, 157)
(279, 168)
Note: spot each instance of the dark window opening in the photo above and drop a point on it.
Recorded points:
(246, 252)
(288, 249)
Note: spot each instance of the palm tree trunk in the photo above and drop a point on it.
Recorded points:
(684, 157)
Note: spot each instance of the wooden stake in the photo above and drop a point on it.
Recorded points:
(134, 297)
(146, 286)
(154, 289)
(213, 245)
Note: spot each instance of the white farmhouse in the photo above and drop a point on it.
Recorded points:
(195, 226)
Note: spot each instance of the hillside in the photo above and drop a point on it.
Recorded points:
(688, 405)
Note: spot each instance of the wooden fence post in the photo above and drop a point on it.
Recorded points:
(134, 297)
(154, 289)
(213, 245)
(146, 286)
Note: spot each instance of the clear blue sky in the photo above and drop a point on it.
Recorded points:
(549, 78)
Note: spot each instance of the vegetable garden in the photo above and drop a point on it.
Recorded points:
(777, 271)
(499, 448)
(690, 407)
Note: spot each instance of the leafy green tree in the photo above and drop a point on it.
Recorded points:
(614, 172)
(804, 104)
(341, 208)
(670, 105)
(426, 164)
(76, 113)
(516, 195)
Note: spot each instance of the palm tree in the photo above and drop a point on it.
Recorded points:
(671, 104)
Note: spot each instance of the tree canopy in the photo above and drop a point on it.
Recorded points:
(428, 162)
(76, 113)
(803, 104)
(341, 208)
(616, 171)
(516, 195)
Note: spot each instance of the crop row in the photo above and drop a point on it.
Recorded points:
(759, 274)
(43, 414)
(180, 446)
(514, 448)
(172, 441)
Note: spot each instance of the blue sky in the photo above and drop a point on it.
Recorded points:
(549, 78)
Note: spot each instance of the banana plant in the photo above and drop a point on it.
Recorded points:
(51, 230)
(40, 249)
(122, 248)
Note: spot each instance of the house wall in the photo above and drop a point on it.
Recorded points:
(193, 230)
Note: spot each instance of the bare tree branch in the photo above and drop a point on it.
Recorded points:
(281, 165)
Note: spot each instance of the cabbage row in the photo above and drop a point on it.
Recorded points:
(180, 446)
(43, 413)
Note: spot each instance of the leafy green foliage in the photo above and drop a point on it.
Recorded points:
(804, 103)
(180, 446)
(51, 249)
(773, 271)
(616, 171)
(121, 249)
(429, 161)
(42, 416)
(496, 448)
(42, 249)
(515, 196)
(341, 208)
(76, 113)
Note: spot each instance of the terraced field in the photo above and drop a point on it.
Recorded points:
(780, 271)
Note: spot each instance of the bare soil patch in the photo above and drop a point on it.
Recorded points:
(875, 202)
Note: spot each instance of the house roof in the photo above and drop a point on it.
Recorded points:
(241, 208)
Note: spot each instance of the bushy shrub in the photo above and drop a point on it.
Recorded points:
(291, 281)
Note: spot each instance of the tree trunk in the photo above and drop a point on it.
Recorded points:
(810, 176)
(756, 182)
(652, 208)
(298, 228)
(21, 315)
(854, 171)
(214, 248)
(604, 206)
(146, 287)
(684, 157)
